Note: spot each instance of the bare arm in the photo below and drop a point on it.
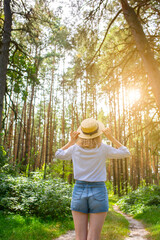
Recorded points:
(74, 136)
(108, 134)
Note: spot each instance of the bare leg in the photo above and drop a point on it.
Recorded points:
(95, 225)
(81, 225)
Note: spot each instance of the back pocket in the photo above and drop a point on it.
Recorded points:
(77, 192)
(99, 194)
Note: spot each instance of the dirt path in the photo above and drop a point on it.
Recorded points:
(70, 235)
(137, 230)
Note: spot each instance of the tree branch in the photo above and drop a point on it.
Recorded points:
(18, 47)
(13, 107)
(104, 37)
(126, 139)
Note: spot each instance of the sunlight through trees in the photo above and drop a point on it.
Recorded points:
(59, 69)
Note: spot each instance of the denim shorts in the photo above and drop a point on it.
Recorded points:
(89, 197)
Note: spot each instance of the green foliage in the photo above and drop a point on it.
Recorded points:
(144, 204)
(5, 166)
(31, 228)
(32, 196)
(141, 199)
(151, 218)
(21, 69)
(3, 156)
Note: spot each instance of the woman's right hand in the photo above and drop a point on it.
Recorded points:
(74, 136)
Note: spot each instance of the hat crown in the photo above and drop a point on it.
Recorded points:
(89, 125)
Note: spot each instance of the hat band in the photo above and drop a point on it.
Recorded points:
(91, 133)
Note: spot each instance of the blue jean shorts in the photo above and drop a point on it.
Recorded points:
(89, 197)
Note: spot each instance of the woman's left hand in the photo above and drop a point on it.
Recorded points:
(107, 132)
(74, 136)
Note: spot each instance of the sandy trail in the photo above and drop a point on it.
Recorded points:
(70, 235)
(137, 230)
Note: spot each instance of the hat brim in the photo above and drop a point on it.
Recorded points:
(86, 136)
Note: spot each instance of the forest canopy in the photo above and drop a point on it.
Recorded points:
(64, 61)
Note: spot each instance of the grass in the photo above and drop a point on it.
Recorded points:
(115, 226)
(16, 227)
(151, 218)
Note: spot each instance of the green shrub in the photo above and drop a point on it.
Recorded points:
(3, 156)
(140, 199)
(30, 196)
(5, 166)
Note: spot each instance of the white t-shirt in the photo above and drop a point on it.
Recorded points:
(90, 164)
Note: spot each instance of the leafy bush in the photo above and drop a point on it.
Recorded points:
(3, 156)
(5, 166)
(43, 198)
(140, 199)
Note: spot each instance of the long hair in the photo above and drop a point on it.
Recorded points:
(89, 143)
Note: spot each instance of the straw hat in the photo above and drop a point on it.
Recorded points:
(90, 128)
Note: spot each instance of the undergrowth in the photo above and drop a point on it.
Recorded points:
(144, 204)
(35, 197)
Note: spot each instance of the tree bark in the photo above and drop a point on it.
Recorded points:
(51, 116)
(20, 142)
(4, 52)
(147, 55)
(86, 92)
(28, 134)
(39, 137)
(63, 122)
(43, 141)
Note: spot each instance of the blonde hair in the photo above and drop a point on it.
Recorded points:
(89, 143)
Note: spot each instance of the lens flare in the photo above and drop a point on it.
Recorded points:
(133, 95)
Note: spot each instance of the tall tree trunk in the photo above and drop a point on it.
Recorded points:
(39, 138)
(130, 143)
(124, 135)
(4, 52)
(51, 116)
(82, 107)
(48, 129)
(53, 130)
(116, 136)
(96, 114)
(63, 126)
(119, 138)
(86, 94)
(23, 135)
(28, 134)
(147, 159)
(32, 149)
(10, 133)
(15, 137)
(150, 64)
(70, 176)
(51, 136)
(142, 150)
(20, 139)
(7, 110)
(117, 161)
(113, 161)
(43, 141)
